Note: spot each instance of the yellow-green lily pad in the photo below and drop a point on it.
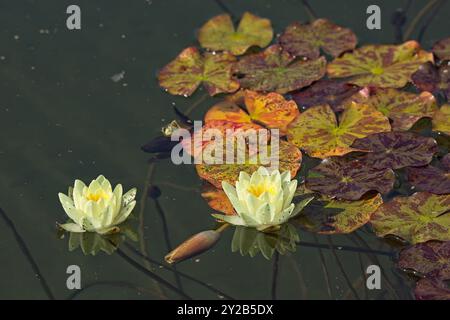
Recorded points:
(441, 119)
(385, 66)
(189, 69)
(418, 218)
(219, 33)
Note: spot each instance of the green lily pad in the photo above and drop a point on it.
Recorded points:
(306, 40)
(418, 218)
(431, 259)
(396, 150)
(250, 241)
(432, 289)
(275, 70)
(318, 132)
(331, 216)
(219, 33)
(290, 159)
(433, 79)
(442, 49)
(431, 178)
(348, 179)
(441, 119)
(403, 108)
(325, 91)
(385, 66)
(189, 69)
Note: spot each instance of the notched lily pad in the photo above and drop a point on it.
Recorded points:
(331, 216)
(432, 289)
(189, 69)
(418, 218)
(276, 70)
(442, 49)
(385, 66)
(434, 179)
(270, 110)
(348, 179)
(325, 91)
(441, 119)
(396, 150)
(219, 33)
(217, 199)
(290, 159)
(306, 40)
(433, 79)
(318, 132)
(403, 108)
(431, 259)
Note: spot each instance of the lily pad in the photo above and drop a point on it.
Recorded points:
(431, 178)
(431, 259)
(432, 289)
(189, 69)
(396, 150)
(325, 91)
(418, 218)
(433, 79)
(306, 40)
(442, 49)
(219, 33)
(275, 70)
(318, 132)
(217, 199)
(385, 66)
(331, 216)
(270, 110)
(290, 159)
(441, 119)
(403, 108)
(348, 179)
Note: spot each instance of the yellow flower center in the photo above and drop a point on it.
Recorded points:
(97, 196)
(377, 71)
(259, 189)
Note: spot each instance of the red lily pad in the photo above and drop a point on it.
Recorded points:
(384, 66)
(321, 135)
(331, 216)
(403, 108)
(442, 49)
(396, 150)
(433, 79)
(306, 40)
(219, 33)
(431, 178)
(418, 218)
(348, 179)
(189, 69)
(431, 259)
(217, 199)
(290, 159)
(432, 289)
(271, 110)
(325, 91)
(275, 70)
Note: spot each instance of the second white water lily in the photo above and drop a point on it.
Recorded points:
(97, 208)
(262, 200)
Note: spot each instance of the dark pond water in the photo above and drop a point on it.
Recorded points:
(62, 117)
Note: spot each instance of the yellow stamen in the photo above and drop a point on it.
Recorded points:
(97, 196)
(259, 189)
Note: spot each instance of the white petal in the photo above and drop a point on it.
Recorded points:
(234, 220)
(299, 206)
(244, 177)
(69, 208)
(123, 215)
(285, 215)
(117, 194)
(72, 227)
(289, 192)
(286, 176)
(230, 191)
(129, 196)
(78, 188)
(264, 214)
(263, 171)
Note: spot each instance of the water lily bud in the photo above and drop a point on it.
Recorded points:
(193, 246)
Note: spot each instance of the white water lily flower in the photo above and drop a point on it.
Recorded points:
(97, 208)
(263, 200)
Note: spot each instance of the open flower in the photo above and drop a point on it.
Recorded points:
(97, 208)
(263, 200)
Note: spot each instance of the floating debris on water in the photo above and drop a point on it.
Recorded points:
(118, 76)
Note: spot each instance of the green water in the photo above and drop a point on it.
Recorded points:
(62, 117)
